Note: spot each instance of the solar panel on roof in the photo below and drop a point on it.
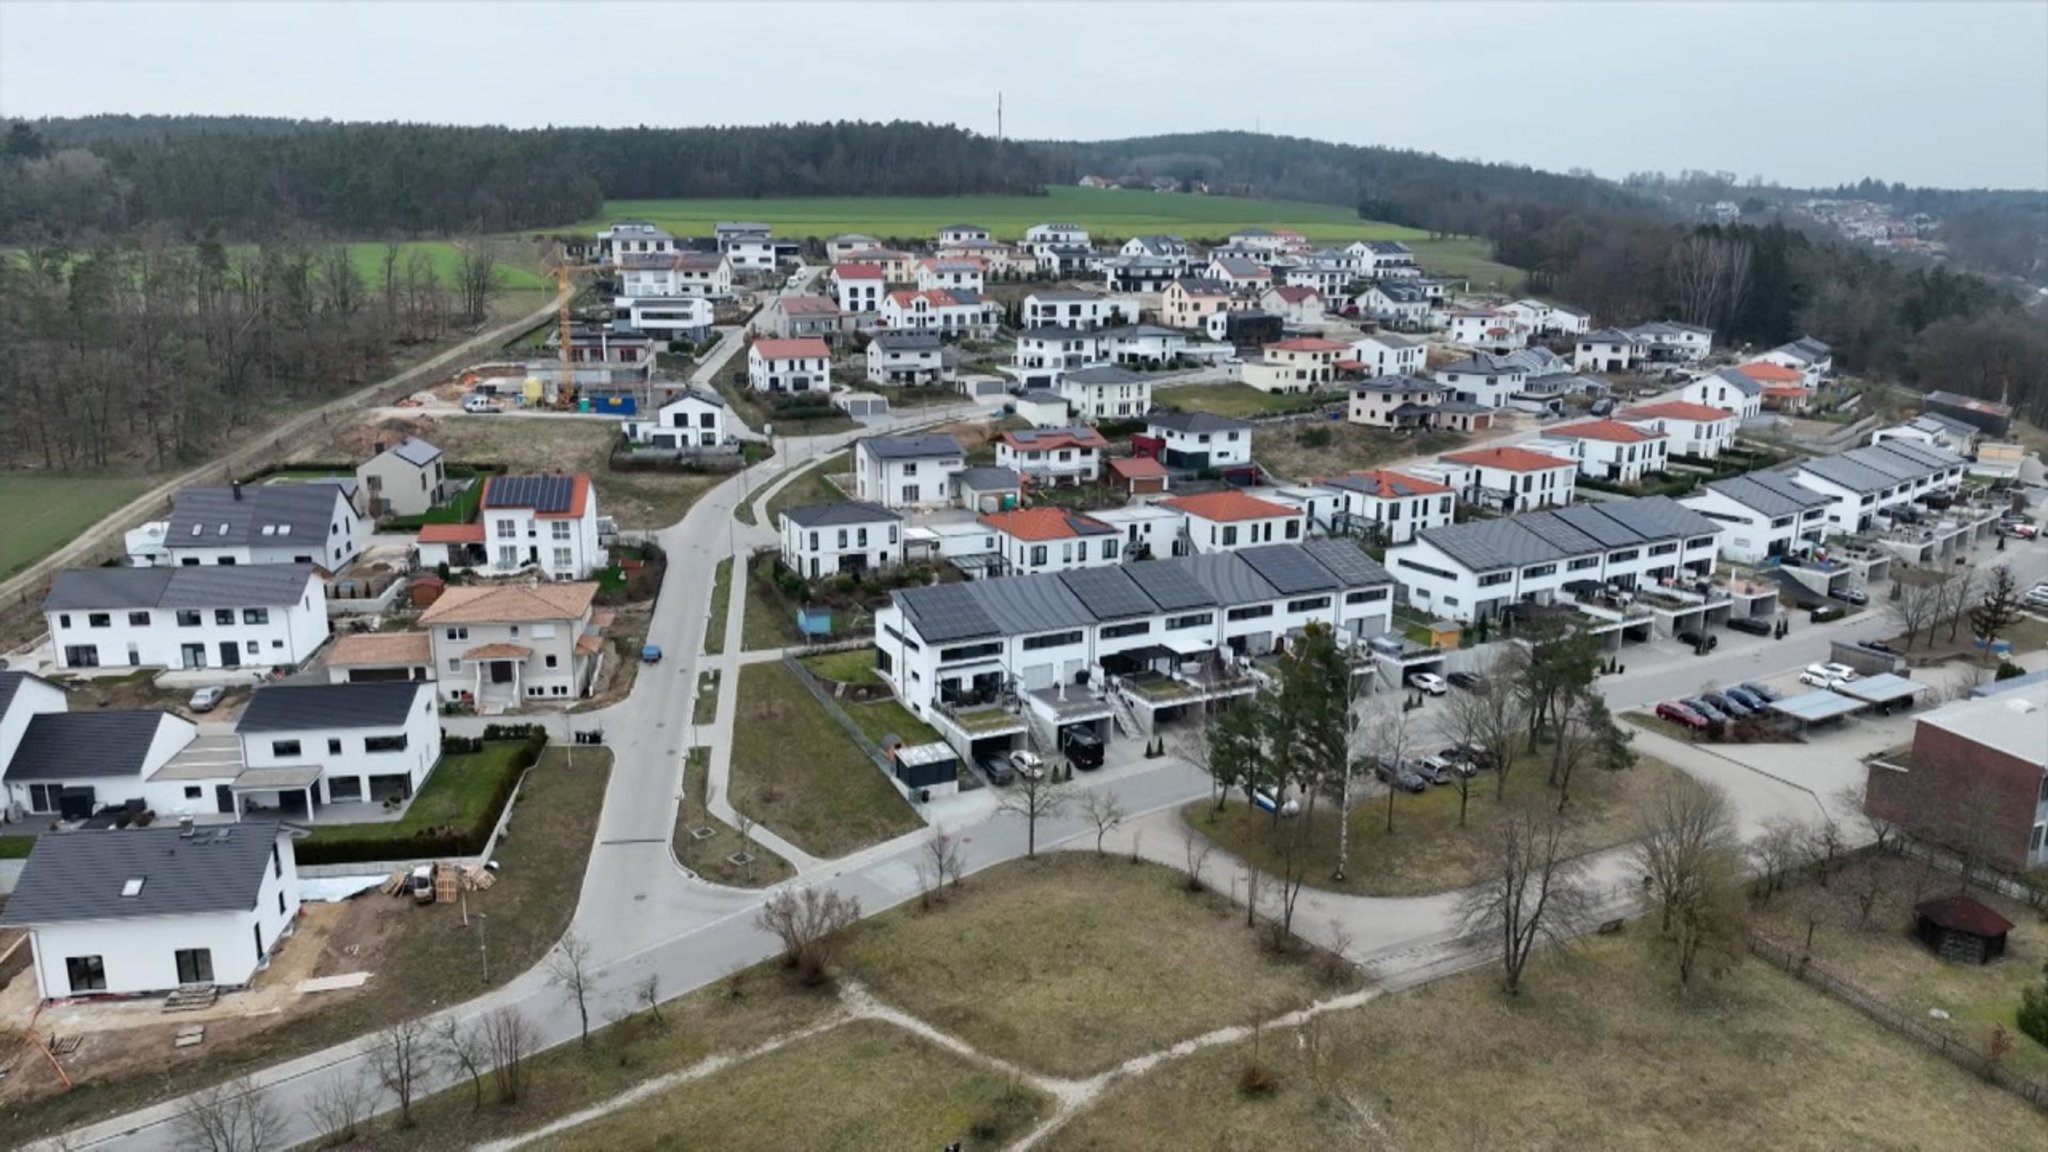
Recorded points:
(946, 612)
(1288, 569)
(1348, 562)
(1107, 592)
(540, 493)
(1169, 585)
(1591, 520)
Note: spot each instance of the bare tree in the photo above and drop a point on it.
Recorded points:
(939, 861)
(465, 1049)
(1196, 848)
(338, 1107)
(1825, 844)
(811, 924)
(509, 1039)
(1774, 852)
(1104, 810)
(476, 277)
(1708, 277)
(1916, 602)
(234, 1116)
(1534, 890)
(1254, 885)
(1471, 719)
(569, 970)
(1036, 797)
(1687, 846)
(1954, 596)
(1390, 737)
(400, 1057)
(647, 994)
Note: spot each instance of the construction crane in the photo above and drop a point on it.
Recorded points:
(565, 368)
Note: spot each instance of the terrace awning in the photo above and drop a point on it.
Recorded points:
(271, 779)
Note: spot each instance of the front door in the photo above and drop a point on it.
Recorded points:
(194, 655)
(224, 799)
(230, 654)
(501, 671)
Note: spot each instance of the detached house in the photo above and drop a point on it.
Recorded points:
(851, 536)
(906, 358)
(626, 238)
(404, 479)
(1053, 456)
(1189, 301)
(947, 311)
(1303, 364)
(802, 317)
(1484, 379)
(1509, 479)
(1294, 304)
(1694, 429)
(1608, 350)
(1077, 310)
(1727, 389)
(1034, 540)
(693, 418)
(1243, 277)
(963, 272)
(547, 523)
(305, 745)
(906, 471)
(1385, 354)
(803, 365)
(1547, 319)
(858, 287)
(1229, 520)
(1392, 506)
(498, 645)
(676, 275)
(1395, 305)
(1198, 441)
(1609, 449)
(963, 234)
(1383, 259)
(253, 524)
(1044, 235)
(1812, 359)
(1494, 330)
(236, 616)
(1106, 392)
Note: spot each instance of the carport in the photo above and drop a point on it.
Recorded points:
(1885, 694)
(1817, 707)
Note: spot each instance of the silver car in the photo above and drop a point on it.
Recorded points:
(207, 699)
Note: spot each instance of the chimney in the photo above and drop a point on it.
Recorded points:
(377, 449)
(236, 488)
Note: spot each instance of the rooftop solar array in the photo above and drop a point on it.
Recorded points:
(1108, 593)
(947, 612)
(1170, 585)
(540, 493)
(1770, 493)
(1348, 561)
(1576, 530)
(1290, 571)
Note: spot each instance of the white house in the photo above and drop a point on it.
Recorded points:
(906, 358)
(1763, 514)
(748, 244)
(1484, 379)
(849, 246)
(1494, 330)
(1812, 359)
(1199, 441)
(694, 418)
(858, 287)
(147, 910)
(1509, 479)
(237, 616)
(1396, 402)
(1040, 236)
(253, 524)
(1863, 482)
(1044, 352)
(1228, 520)
(949, 312)
(1933, 431)
(1077, 310)
(1243, 277)
(1386, 354)
(1159, 247)
(1472, 571)
(1331, 281)
(1392, 506)
(1547, 319)
(304, 745)
(961, 272)
(546, 523)
(1188, 301)
(70, 765)
(1295, 304)
(1383, 259)
(497, 646)
(1729, 389)
(1694, 429)
(850, 536)
(1106, 392)
(1608, 449)
(664, 317)
(963, 234)
(1608, 350)
(1052, 540)
(1053, 456)
(1395, 305)
(1297, 365)
(908, 471)
(626, 238)
(676, 275)
(403, 479)
(1043, 408)
(1669, 342)
(800, 365)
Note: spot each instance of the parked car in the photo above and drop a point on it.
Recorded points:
(479, 405)
(1428, 682)
(1746, 698)
(1836, 671)
(1027, 764)
(1754, 625)
(1472, 754)
(1680, 714)
(1763, 692)
(1602, 406)
(1398, 776)
(206, 699)
(1434, 769)
(1700, 705)
(1082, 748)
(1729, 705)
(1469, 681)
(1820, 679)
(1853, 596)
(996, 769)
(1879, 646)
(1823, 613)
(1689, 637)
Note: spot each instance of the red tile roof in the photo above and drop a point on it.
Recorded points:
(1039, 440)
(1137, 467)
(1612, 431)
(809, 347)
(1964, 914)
(1765, 372)
(1509, 459)
(1307, 344)
(1296, 293)
(857, 271)
(1384, 481)
(1676, 410)
(451, 534)
(1227, 506)
(1045, 524)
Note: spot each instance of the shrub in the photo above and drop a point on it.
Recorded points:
(1316, 438)
(2033, 1014)
(2007, 670)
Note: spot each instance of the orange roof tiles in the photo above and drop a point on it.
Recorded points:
(1389, 484)
(1307, 344)
(857, 271)
(1227, 506)
(497, 652)
(1508, 459)
(1296, 293)
(1047, 438)
(1137, 467)
(803, 348)
(382, 648)
(1045, 524)
(451, 534)
(510, 603)
(1765, 372)
(1612, 431)
(1676, 410)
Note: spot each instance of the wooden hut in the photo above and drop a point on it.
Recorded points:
(1961, 929)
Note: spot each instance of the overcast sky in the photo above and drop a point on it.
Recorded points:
(1952, 94)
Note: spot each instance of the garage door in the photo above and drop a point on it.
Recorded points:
(1038, 676)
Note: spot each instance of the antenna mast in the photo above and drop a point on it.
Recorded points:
(999, 116)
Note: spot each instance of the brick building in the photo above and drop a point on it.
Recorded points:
(1976, 779)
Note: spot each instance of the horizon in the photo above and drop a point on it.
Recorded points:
(1559, 87)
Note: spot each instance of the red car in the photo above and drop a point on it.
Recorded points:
(1680, 714)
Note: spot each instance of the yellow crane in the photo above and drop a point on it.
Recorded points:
(565, 370)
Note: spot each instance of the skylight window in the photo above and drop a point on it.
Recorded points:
(132, 887)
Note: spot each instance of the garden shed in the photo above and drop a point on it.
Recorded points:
(1961, 928)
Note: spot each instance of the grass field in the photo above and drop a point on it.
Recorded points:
(769, 623)
(1104, 212)
(863, 1085)
(1598, 1052)
(41, 513)
(721, 598)
(458, 793)
(1427, 851)
(513, 272)
(1467, 257)
(1239, 400)
(710, 856)
(1073, 962)
(1305, 452)
(810, 487)
(797, 771)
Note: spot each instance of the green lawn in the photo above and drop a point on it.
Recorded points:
(706, 708)
(721, 600)
(810, 487)
(40, 513)
(888, 718)
(710, 856)
(1106, 212)
(853, 666)
(458, 793)
(1470, 258)
(16, 847)
(1240, 400)
(368, 257)
(769, 622)
(1598, 1052)
(1072, 962)
(864, 1085)
(797, 771)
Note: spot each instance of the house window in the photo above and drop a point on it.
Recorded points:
(224, 616)
(507, 529)
(458, 633)
(552, 661)
(384, 743)
(1037, 555)
(195, 965)
(255, 615)
(87, 973)
(454, 664)
(43, 797)
(564, 558)
(64, 620)
(100, 620)
(284, 748)
(194, 791)
(334, 745)
(138, 619)
(561, 529)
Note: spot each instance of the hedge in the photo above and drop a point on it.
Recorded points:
(376, 844)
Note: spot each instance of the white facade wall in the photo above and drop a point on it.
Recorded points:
(1226, 449)
(1750, 537)
(1706, 439)
(1107, 401)
(343, 754)
(1155, 527)
(821, 551)
(1068, 463)
(690, 421)
(552, 672)
(1228, 536)
(1383, 359)
(1400, 517)
(1718, 393)
(1438, 584)
(564, 547)
(855, 294)
(894, 483)
(1085, 315)
(1608, 459)
(1489, 389)
(160, 637)
(788, 373)
(1030, 556)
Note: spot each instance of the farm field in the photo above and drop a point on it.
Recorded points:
(514, 271)
(1105, 212)
(42, 512)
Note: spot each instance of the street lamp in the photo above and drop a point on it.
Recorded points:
(483, 945)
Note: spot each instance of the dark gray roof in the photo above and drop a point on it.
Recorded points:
(1484, 545)
(1654, 517)
(201, 586)
(1289, 570)
(1348, 562)
(943, 613)
(963, 228)
(1575, 530)
(1926, 457)
(551, 493)
(1140, 331)
(211, 517)
(84, 745)
(1067, 296)
(695, 393)
(1043, 396)
(1196, 422)
(1170, 585)
(1388, 247)
(1807, 349)
(80, 875)
(1228, 578)
(914, 447)
(1741, 383)
(1022, 605)
(988, 478)
(1203, 284)
(297, 707)
(1398, 384)
(1485, 363)
(1108, 593)
(843, 512)
(905, 342)
(1400, 293)
(1850, 474)
(1607, 336)
(1102, 374)
(1769, 493)
(415, 451)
